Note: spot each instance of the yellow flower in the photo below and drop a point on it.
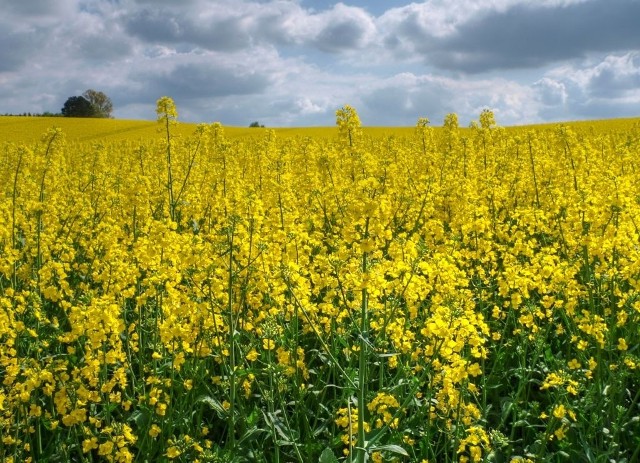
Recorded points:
(105, 448)
(561, 432)
(161, 408)
(559, 411)
(622, 344)
(574, 364)
(154, 430)
(75, 417)
(252, 356)
(474, 369)
(173, 452)
(476, 453)
(268, 344)
(89, 444)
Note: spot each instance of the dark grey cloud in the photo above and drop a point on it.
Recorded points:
(227, 34)
(342, 28)
(102, 48)
(35, 8)
(15, 50)
(338, 29)
(196, 80)
(153, 25)
(165, 2)
(157, 25)
(97, 39)
(341, 35)
(403, 103)
(526, 35)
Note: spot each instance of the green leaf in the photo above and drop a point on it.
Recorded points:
(327, 456)
(140, 418)
(250, 434)
(213, 403)
(548, 355)
(391, 448)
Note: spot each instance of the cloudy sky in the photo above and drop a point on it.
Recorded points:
(294, 62)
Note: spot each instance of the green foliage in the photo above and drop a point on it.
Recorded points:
(101, 103)
(77, 106)
(92, 103)
(327, 456)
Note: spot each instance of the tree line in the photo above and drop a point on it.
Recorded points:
(91, 103)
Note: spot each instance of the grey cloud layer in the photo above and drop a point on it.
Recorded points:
(518, 35)
(515, 35)
(289, 64)
(528, 36)
(252, 24)
(197, 80)
(467, 35)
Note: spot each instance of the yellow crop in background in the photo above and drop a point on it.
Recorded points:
(21, 129)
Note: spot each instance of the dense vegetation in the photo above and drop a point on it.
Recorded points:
(431, 295)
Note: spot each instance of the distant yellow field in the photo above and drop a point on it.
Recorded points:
(18, 129)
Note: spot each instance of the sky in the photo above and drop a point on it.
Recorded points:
(295, 62)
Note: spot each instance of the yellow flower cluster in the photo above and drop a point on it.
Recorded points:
(153, 288)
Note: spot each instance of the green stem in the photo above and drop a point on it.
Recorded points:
(232, 350)
(362, 367)
(169, 173)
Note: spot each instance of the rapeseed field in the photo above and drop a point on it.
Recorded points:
(191, 293)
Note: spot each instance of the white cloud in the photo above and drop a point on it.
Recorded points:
(403, 98)
(285, 63)
(606, 87)
(551, 92)
(308, 106)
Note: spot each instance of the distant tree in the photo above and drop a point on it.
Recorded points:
(101, 103)
(91, 104)
(77, 106)
(256, 124)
